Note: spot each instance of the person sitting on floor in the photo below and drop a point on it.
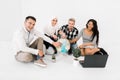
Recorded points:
(71, 33)
(52, 29)
(90, 36)
(28, 43)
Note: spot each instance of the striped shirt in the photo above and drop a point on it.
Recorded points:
(70, 34)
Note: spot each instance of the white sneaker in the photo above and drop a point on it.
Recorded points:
(40, 62)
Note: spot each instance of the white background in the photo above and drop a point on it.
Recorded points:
(106, 12)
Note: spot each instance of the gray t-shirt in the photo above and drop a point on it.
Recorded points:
(87, 38)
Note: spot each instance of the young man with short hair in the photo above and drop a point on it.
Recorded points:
(29, 43)
(71, 33)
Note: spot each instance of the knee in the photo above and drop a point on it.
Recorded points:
(81, 46)
(88, 52)
(40, 39)
(24, 57)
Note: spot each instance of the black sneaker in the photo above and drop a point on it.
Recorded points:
(70, 52)
(53, 58)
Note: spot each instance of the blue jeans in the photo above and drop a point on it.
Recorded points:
(36, 57)
(72, 47)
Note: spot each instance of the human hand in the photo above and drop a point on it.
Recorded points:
(63, 35)
(60, 32)
(40, 53)
(56, 44)
(55, 37)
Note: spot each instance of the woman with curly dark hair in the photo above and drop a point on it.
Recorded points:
(90, 36)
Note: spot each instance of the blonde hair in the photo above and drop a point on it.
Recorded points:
(72, 19)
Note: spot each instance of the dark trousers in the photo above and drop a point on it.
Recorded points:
(51, 38)
(47, 45)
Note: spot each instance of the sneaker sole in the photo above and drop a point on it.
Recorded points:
(40, 65)
(53, 61)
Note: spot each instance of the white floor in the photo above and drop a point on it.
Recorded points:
(63, 69)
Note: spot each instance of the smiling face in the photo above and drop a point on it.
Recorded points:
(71, 24)
(29, 24)
(54, 21)
(90, 25)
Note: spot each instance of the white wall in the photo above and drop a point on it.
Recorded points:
(106, 12)
(10, 18)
